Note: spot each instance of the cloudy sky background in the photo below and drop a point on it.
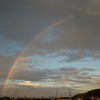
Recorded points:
(66, 56)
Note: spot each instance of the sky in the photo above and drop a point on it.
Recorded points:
(50, 45)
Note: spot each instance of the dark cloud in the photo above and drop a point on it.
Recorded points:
(80, 33)
(80, 55)
(82, 77)
(19, 22)
(49, 75)
(6, 61)
(30, 75)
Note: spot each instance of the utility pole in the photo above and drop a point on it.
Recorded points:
(70, 93)
(56, 92)
(15, 92)
(98, 84)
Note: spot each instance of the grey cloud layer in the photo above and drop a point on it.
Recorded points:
(23, 23)
(70, 74)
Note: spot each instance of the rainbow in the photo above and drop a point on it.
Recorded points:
(20, 55)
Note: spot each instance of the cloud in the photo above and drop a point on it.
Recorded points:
(24, 66)
(25, 60)
(21, 65)
(87, 69)
(6, 61)
(63, 82)
(83, 55)
(92, 12)
(30, 84)
(77, 34)
(41, 61)
(82, 77)
(71, 74)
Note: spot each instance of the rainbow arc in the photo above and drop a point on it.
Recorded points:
(20, 55)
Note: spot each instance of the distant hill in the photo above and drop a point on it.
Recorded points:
(92, 93)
